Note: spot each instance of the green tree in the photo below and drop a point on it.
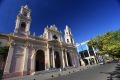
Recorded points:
(4, 52)
(107, 43)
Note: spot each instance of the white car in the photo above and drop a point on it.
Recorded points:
(101, 63)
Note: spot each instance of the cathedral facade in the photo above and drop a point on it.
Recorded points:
(29, 54)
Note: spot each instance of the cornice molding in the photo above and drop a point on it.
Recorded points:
(19, 16)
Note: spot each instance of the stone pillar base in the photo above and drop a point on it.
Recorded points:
(11, 75)
(17, 74)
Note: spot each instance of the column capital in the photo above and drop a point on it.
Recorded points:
(27, 45)
(33, 46)
(13, 44)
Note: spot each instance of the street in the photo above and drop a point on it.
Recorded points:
(101, 72)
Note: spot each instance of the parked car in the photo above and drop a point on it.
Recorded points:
(107, 61)
(102, 62)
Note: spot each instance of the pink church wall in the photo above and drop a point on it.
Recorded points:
(17, 59)
(17, 63)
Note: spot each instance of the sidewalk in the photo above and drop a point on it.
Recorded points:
(51, 74)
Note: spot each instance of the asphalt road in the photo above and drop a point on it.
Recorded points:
(96, 73)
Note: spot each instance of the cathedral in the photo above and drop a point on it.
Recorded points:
(29, 54)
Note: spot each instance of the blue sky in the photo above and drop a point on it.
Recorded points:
(82, 47)
(86, 18)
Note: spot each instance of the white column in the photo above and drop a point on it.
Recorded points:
(9, 59)
(48, 59)
(66, 57)
(33, 60)
(88, 54)
(26, 50)
(88, 50)
(63, 62)
(94, 54)
(94, 60)
(27, 28)
(88, 61)
(17, 24)
(53, 58)
(94, 50)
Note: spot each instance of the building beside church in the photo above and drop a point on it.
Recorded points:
(29, 53)
(87, 53)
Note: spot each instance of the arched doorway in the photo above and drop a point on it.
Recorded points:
(40, 61)
(51, 57)
(23, 26)
(92, 59)
(57, 59)
(69, 59)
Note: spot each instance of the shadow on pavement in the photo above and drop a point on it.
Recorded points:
(115, 74)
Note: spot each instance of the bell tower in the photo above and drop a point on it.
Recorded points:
(23, 21)
(68, 36)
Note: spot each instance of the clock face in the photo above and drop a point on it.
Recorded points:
(55, 37)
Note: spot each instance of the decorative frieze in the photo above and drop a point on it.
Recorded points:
(27, 45)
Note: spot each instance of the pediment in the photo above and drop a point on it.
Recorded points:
(53, 27)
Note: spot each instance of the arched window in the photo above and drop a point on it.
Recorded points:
(67, 40)
(66, 32)
(25, 14)
(23, 26)
(71, 40)
(69, 32)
